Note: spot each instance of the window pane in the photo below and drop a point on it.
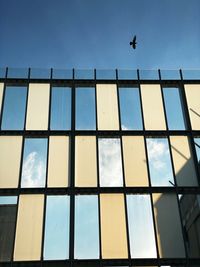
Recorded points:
(160, 165)
(14, 108)
(183, 161)
(1, 95)
(107, 107)
(8, 210)
(113, 226)
(110, 162)
(168, 226)
(56, 241)
(174, 111)
(130, 109)
(85, 161)
(154, 118)
(29, 228)
(58, 165)
(34, 162)
(10, 157)
(85, 108)
(135, 166)
(141, 230)
(38, 106)
(190, 210)
(86, 227)
(197, 147)
(60, 108)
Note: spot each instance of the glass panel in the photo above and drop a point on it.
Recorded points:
(110, 162)
(130, 109)
(106, 74)
(183, 161)
(113, 226)
(34, 162)
(10, 156)
(14, 108)
(85, 108)
(190, 211)
(38, 107)
(141, 230)
(135, 167)
(40, 73)
(1, 95)
(149, 75)
(62, 74)
(168, 226)
(170, 75)
(197, 147)
(29, 228)
(127, 75)
(8, 210)
(17, 73)
(60, 108)
(173, 107)
(58, 165)
(107, 107)
(154, 118)
(85, 161)
(191, 74)
(56, 241)
(86, 227)
(2, 72)
(84, 74)
(160, 165)
(193, 95)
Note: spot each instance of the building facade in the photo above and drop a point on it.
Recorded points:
(99, 168)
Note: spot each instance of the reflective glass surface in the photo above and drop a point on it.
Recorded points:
(40, 73)
(127, 74)
(17, 73)
(62, 74)
(84, 74)
(105, 74)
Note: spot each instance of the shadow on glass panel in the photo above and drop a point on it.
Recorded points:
(174, 109)
(60, 108)
(191, 74)
(130, 108)
(40, 73)
(127, 75)
(14, 108)
(8, 211)
(85, 108)
(34, 163)
(84, 75)
(149, 75)
(86, 227)
(170, 75)
(190, 211)
(17, 73)
(110, 162)
(160, 165)
(62, 74)
(106, 74)
(56, 241)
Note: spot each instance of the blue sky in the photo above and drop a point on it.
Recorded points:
(96, 33)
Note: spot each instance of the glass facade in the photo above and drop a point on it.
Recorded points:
(99, 168)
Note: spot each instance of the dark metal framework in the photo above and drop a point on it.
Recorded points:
(72, 191)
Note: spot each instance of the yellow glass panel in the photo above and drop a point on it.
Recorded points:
(183, 161)
(85, 161)
(107, 107)
(29, 228)
(58, 166)
(1, 94)
(154, 118)
(38, 107)
(10, 156)
(113, 226)
(168, 226)
(193, 95)
(135, 167)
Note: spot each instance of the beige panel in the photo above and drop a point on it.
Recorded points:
(183, 161)
(38, 107)
(107, 107)
(29, 228)
(86, 161)
(168, 226)
(1, 94)
(193, 95)
(58, 165)
(135, 167)
(113, 226)
(10, 156)
(154, 118)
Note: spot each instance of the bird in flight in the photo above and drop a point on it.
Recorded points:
(133, 43)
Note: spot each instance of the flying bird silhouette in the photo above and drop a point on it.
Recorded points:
(133, 43)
